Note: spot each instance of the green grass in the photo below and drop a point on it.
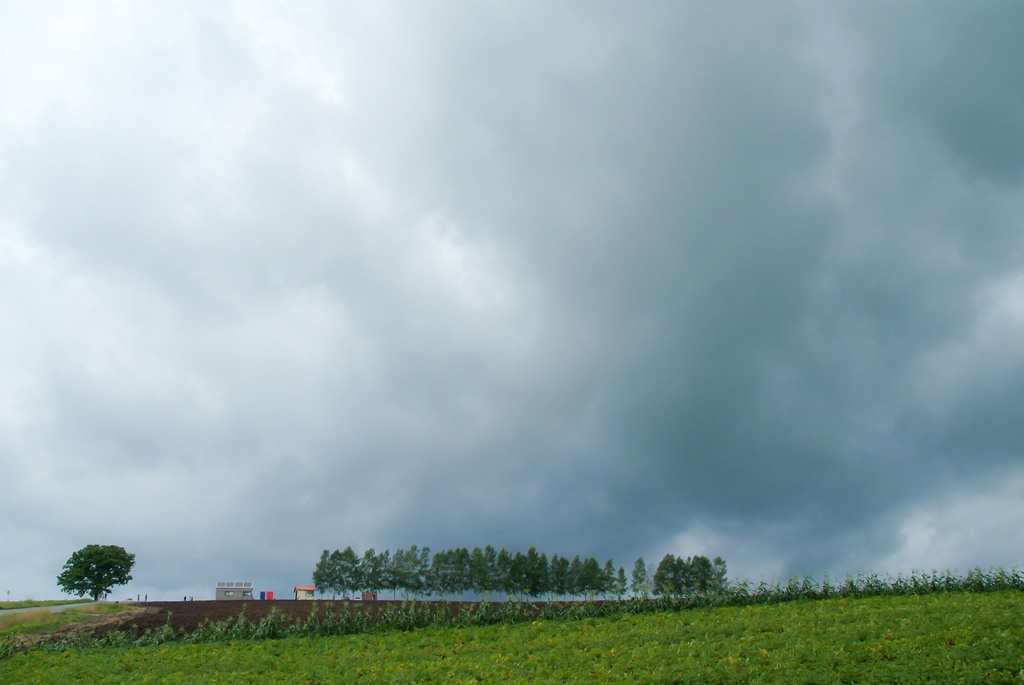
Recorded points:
(957, 637)
(42, 620)
(29, 603)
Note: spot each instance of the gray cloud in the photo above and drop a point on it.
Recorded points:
(729, 280)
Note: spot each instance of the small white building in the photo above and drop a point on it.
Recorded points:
(234, 589)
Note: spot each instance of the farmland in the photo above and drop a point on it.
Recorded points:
(40, 620)
(938, 637)
(26, 604)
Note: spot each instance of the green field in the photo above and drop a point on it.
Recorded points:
(29, 603)
(41, 620)
(943, 638)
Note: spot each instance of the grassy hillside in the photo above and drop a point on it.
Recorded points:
(942, 638)
(41, 620)
(29, 603)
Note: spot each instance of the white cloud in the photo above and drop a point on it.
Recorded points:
(976, 526)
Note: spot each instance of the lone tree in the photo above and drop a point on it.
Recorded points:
(95, 569)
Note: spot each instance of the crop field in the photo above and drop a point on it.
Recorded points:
(957, 637)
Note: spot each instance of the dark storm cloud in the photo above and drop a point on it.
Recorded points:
(953, 74)
(727, 279)
(670, 249)
(756, 339)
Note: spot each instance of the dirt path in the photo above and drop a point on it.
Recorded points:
(54, 607)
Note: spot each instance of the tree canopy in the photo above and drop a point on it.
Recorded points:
(697, 575)
(453, 572)
(96, 569)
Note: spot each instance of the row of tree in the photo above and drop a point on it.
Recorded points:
(679, 577)
(486, 572)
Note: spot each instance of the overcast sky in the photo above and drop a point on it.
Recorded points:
(605, 278)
